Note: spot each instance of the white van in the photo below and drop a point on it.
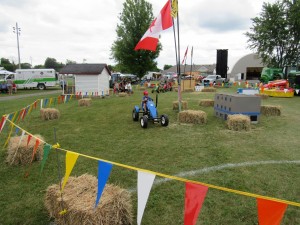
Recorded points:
(34, 78)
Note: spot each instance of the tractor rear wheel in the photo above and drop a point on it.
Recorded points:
(164, 120)
(144, 121)
(135, 115)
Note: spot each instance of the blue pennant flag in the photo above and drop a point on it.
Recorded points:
(104, 169)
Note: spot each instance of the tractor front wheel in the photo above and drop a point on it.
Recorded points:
(164, 120)
(135, 115)
(144, 121)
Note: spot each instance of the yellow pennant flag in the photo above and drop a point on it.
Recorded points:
(7, 140)
(50, 102)
(14, 117)
(174, 10)
(71, 158)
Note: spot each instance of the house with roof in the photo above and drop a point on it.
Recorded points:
(90, 79)
(193, 70)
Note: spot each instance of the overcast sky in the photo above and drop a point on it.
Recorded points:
(78, 30)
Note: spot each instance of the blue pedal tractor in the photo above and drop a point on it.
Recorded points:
(149, 112)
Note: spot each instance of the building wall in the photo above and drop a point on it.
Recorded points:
(92, 83)
(240, 67)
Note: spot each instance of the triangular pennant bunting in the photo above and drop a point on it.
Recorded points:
(104, 169)
(46, 151)
(71, 158)
(270, 212)
(37, 142)
(145, 182)
(194, 198)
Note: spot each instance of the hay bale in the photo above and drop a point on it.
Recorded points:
(78, 199)
(192, 116)
(238, 122)
(207, 102)
(85, 102)
(209, 89)
(122, 94)
(18, 153)
(184, 105)
(262, 95)
(49, 113)
(270, 110)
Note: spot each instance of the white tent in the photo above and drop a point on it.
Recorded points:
(5, 72)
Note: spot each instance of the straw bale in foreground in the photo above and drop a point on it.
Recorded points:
(122, 94)
(238, 122)
(79, 198)
(206, 102)
(49, 113)
(184, 105)
(18, 153)
(209, 89)
(270, 110)
(192, 116)
(85, 102)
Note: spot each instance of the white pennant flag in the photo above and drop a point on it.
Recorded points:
(285, 90)
(41, 103)
(145, 182)
(297, 91)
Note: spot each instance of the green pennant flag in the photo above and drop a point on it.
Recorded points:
(46, 150)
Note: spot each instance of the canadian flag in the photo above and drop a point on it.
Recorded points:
(162, 22)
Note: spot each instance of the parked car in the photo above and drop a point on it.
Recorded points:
(213, 79)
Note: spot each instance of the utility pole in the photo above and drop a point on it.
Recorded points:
(17, 31)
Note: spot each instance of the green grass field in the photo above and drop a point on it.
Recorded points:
(263, 161)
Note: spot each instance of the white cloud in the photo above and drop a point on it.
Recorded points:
(86, 30)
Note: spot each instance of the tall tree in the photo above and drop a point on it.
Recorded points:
(6, 64)
(275, 34)
(135, 19)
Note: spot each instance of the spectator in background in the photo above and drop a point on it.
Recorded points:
(63, 84)
(9, 86)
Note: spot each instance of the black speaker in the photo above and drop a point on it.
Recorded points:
(222, 60)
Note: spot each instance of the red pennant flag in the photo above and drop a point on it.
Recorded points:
(35, 104)
(162, 22)
(194, 198)
(185, 54)
(270, 212)
(2, 122)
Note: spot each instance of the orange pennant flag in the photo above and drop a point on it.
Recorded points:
(71, 158)
(28, 139)
(270, 212)
(37, 142)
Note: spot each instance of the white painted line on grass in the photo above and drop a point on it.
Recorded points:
(159, 181)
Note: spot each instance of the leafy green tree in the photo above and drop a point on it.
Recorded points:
(25, 65)
(275, 33)
(135, 19)
(167, 67)
(39, 67)
(6, 64)
(51, 63)
(68, 61)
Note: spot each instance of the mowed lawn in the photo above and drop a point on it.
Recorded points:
(263, 161)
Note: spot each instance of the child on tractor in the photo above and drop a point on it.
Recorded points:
(145, 100)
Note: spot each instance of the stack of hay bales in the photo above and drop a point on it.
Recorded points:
(207, 102)
(122, 94)
(184, 105)
(18, 153)
(192, 116)
(49, 113)
(238, 122)
(209, 89)
(78, 199)
(85, 102)
(270, 110)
